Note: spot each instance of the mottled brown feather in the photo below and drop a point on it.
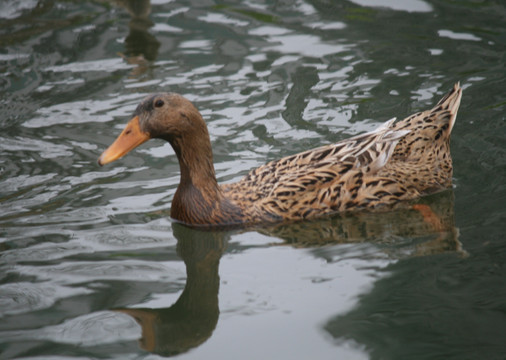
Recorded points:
(398, 161)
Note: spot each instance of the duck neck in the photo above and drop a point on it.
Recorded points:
(196, 163)
(198, 195)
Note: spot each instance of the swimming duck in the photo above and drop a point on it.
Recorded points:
(396, 162)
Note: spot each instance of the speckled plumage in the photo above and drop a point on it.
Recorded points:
(398, 161)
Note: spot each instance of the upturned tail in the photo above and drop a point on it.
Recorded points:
(450, 102)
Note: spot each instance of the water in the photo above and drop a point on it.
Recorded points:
(90, 264)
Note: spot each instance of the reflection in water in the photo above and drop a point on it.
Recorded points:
(76, 240)
(140, 45)
(191, 320)
(429, 228)
(405, 307)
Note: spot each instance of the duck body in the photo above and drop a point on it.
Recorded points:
(398, 161)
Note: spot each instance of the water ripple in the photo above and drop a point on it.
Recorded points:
(22, 297)
(270, 79)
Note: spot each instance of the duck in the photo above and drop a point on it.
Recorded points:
(398, 162)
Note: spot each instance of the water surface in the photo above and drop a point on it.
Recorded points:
(92, 267)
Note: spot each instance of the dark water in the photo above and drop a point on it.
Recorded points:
(91, 266)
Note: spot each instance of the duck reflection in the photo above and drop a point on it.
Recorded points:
(191, 320)
(428, 227)
(141, 46)
(411, 308)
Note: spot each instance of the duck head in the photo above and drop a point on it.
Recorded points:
(167, 116)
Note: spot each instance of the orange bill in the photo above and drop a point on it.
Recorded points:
(131, 137)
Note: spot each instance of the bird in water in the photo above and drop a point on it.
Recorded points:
(396, 162)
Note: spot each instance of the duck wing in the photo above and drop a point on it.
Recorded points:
(318, 181)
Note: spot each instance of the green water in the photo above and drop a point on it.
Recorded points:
(92, 267)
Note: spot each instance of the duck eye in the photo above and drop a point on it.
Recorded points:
(159, 103)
